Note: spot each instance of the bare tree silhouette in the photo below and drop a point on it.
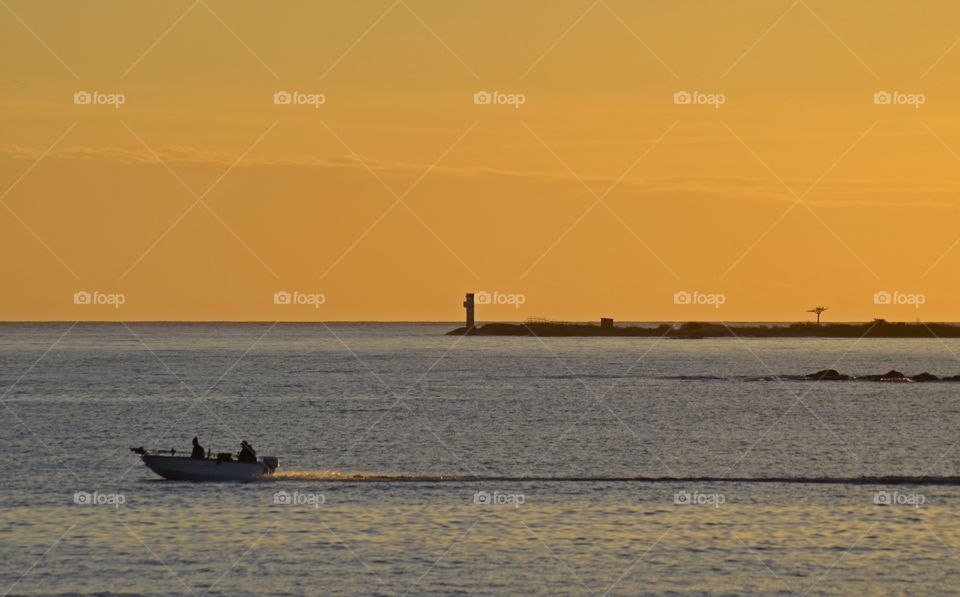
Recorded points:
(817, 311)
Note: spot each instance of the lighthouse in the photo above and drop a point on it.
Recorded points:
(468, 305)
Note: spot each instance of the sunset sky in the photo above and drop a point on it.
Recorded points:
(199, 198)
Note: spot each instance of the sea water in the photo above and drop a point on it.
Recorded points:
(419, 463)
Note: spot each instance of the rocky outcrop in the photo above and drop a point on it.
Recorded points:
(890, 376)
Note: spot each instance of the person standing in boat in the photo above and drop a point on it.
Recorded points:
(247, 453)
(198, 451)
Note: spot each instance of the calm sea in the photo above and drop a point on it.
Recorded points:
(487, 442)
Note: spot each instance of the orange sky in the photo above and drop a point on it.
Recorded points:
(199, 198)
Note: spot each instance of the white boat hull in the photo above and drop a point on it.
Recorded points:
(182, 468)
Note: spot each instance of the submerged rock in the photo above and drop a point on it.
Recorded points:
(827, 375)
(891, 375)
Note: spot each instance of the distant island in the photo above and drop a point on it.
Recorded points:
(878, 328)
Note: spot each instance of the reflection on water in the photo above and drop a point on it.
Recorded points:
(430, 464)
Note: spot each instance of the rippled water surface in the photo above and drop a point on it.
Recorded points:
(390, 433)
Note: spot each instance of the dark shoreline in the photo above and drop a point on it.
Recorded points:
(697, 330)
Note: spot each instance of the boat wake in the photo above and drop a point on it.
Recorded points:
(358, 477)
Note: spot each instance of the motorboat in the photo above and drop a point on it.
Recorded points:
(224, 467)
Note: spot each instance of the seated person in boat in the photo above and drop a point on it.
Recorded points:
(198, 451)
(247, 453)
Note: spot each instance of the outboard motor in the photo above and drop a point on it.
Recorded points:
(271, 462)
